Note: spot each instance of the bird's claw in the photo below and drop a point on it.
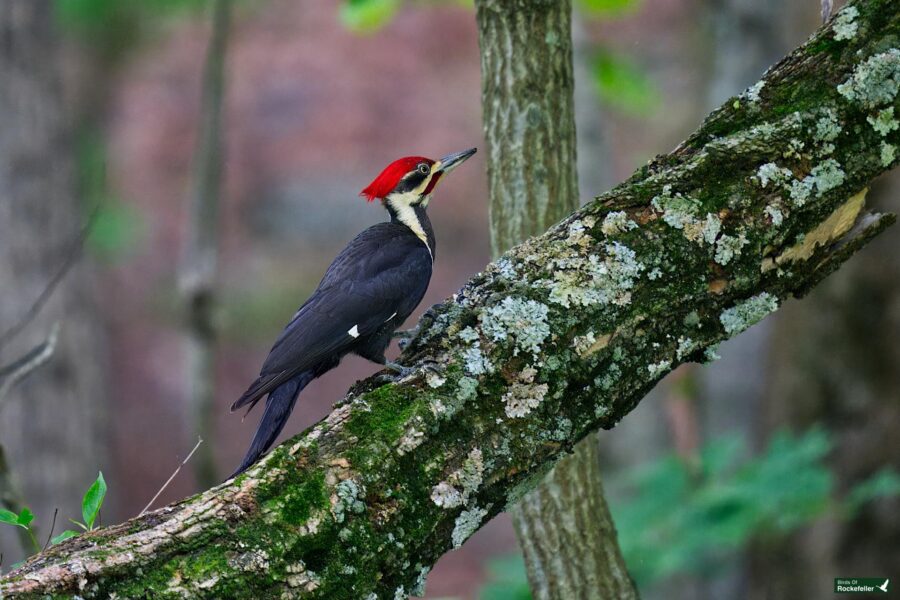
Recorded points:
(400, 372)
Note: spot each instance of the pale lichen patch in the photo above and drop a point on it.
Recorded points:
(752, 93)
(828, 128)
(771, 172)
(411, 440)
(685, 346)
(466, 524)
(775, 215)
(825, 177)
(677, 209)
(658, 368)
(584, 282)
(749, 312)
(475, 361)
(845, 25)
(875, 82)
(617, 222)
(884, 122)
(728, 247)
(346, 498)
(522, 398)
(462, 483)
(446, 496)
(888, 154)
(523, 321)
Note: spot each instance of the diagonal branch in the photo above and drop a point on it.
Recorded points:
(563, 335)
(20, 368)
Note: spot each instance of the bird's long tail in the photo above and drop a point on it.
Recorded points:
(279, 406)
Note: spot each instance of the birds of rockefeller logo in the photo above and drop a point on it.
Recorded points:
(861, 585)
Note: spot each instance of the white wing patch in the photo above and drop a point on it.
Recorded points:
(353, 331)
(391, 317)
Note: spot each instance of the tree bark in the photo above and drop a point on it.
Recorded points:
(568, 535)
(562, 335)
(54, 422)
(563, 526)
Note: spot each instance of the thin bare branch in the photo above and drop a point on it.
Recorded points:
(34, 358)
(73, 253)
(52, 527)
(171, 477)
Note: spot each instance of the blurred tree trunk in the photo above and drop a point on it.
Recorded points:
(53, 423)
(564, 525)
(853, 390)
(198, 271)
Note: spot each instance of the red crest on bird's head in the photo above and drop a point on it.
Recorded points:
(388, 179)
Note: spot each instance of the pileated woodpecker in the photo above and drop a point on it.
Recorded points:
(369, 290)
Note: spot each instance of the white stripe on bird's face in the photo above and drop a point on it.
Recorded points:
(353, 331)
(403, 206)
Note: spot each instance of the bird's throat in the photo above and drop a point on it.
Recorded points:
(415, 217)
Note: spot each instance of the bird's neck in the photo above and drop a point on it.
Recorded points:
(415, 217)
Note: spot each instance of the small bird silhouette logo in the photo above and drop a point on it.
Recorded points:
(883, 586)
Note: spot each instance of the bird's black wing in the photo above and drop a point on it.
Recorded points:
(384, 271)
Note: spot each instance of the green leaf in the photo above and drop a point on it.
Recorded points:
(609, 7)
(115, 230)
(364, 16)
(883, 484)
(68, 533)
(624, 86)
(25, 518)
(93, 500)
(8, 517)
(79, 524)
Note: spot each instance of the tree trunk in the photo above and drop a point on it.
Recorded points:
(562, 335)
(53, 424)
(198, 273)
(564, 526)
(568, 535)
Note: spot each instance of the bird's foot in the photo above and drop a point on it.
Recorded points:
(400, 372)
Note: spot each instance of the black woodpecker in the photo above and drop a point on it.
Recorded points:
(369, 290)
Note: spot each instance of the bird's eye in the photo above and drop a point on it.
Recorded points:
(423, 169)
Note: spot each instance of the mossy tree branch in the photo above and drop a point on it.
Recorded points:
(563, 335)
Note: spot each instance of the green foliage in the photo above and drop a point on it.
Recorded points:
(23, 520)
(364, 16)
(92, 501)
(90, 509)
(607, 8)
(623, 85)
(68, 533)
(115, 227)
(507, 580)
(88, 15)
(883, 484)
(677, 517)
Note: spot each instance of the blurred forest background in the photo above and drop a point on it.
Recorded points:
(774, 468)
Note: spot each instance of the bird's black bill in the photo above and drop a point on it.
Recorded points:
(451, 161)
